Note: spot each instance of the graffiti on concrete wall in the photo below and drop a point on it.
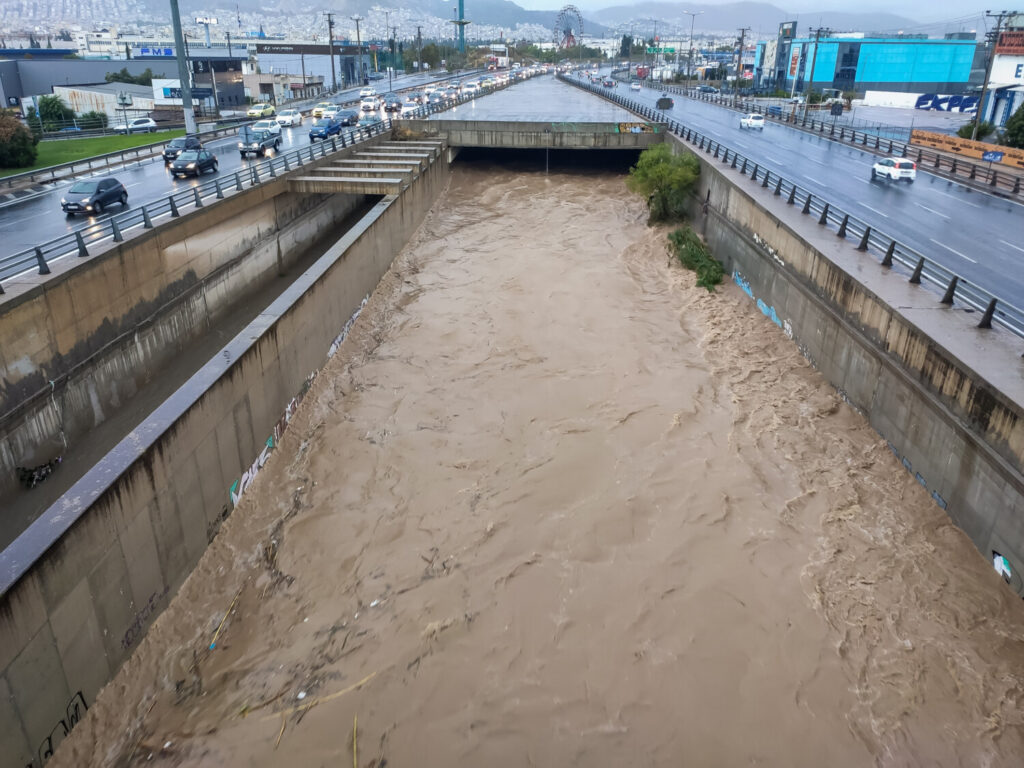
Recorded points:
(134, 631)
(955, 103)
(73, 713)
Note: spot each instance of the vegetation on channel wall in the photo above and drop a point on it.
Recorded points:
(693, 254)
(666, 180)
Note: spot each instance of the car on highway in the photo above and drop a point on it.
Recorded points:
(665, 102)
(416, 96)
(262, 109)
(194, 162)
(752, 121)
(894, 169)
(91, 196)
(289, 117)
(707, 89)
(409, 108)
(138, 125)
(318, 110)
(271, 126)
(435, 98)
(471, 88)
(392, 102)
(324, 128)
(608, 83)
(176, 146)
(369, 103)
(367, 90)
(635, 85)
(369, 120)
(348, 117)
(253, 142)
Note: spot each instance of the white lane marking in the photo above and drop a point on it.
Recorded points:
(774, 160)
(958, 198)
(740, 144)
(932, 210)
(1015, 247)
(873, 209)
(812, 178)
(952, 250)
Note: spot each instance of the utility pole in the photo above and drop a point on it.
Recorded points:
(419, 48)
(181, 54)
(993, 37)
(359, 50)
(393, 45)
(739, 64)
(814, 60)
(330, 43)
(689, 61)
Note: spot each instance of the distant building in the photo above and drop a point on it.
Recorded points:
(24, 78)
(279, 87)
(104, 98)
(1006, 82)
(859, 62)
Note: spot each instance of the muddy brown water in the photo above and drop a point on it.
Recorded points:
(553, 505)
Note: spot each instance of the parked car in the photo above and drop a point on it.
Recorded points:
(176, 146)
(253, 142)
(271, 126)
(895, 169)
(347, 117)
(138, 125)
(261, 110)
(369, 104)
(752, 121)
(367, 90)
(289, 117)
(324, 128)
(91, 196)
(194, 162)
(318, 110)
(392, 102)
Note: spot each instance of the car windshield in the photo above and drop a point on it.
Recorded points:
(323, 123)
(188, 157)
(176, 143)
(83, 187)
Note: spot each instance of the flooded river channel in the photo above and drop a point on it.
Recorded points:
(553, 505)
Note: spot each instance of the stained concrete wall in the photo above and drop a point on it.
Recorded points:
(928, 380)
(82, 585)
(511, 134)
(84, 341)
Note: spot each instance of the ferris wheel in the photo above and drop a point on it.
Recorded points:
(568, 32)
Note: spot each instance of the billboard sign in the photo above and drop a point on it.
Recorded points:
(794, 61)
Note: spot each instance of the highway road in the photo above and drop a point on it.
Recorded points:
(974, 234)
(28, 222)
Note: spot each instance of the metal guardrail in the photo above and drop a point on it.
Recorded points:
(115, 228)
(1001, 181)
(923, 271)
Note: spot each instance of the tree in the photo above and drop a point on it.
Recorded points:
(625, 46)
(124, 76)
(55, 112)
(1013, 131)
(984, 129)
(93, 119)
(17, 144)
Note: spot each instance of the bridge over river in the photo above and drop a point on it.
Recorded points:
(492, 482)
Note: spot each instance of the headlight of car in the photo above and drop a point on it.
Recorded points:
(86, 201)
(240, 145)
(63, 201)
(191, 165)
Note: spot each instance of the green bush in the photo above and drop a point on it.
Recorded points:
(1013, 131)
(984, 129)
(17, 144)
(92, 119)
(665, 180)
(693, 254)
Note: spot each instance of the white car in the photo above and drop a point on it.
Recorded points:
(138, 125)
(471, 88)
(367, 91)
(753, 121)
(289, 117)
(635, 86)
(894, 168)
(270, 126)
(409, 107)
(369, 103)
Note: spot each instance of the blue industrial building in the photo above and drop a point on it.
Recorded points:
(855, 62)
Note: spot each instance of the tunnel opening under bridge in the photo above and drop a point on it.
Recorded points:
(545, 159)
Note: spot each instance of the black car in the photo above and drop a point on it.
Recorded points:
(392, 102)
(347, 117)
(93, 195)
(193, 163)
(252, 142)
(665, 102)
(179, 145)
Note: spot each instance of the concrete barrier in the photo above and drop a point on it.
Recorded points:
(942, 392)
(85, 581)
(539, 135)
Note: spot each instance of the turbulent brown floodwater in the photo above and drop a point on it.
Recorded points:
(553, 505)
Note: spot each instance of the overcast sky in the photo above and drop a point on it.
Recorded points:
(918, 10)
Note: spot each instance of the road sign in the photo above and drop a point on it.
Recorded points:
(197, 93)
(660, 50)
(992, 157)
(124, 99)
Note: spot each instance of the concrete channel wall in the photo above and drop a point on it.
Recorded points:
(89, 337)
(511, 134)
(945, 394)
(83, 584)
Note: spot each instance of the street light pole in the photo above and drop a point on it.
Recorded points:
(183, 77)
(359, 50)
(689, 59)
(330, 45)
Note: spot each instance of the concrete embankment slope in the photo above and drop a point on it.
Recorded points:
(945, 394)
(81, 586)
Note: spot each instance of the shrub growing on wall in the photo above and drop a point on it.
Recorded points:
(665, 180)
(693, 254)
